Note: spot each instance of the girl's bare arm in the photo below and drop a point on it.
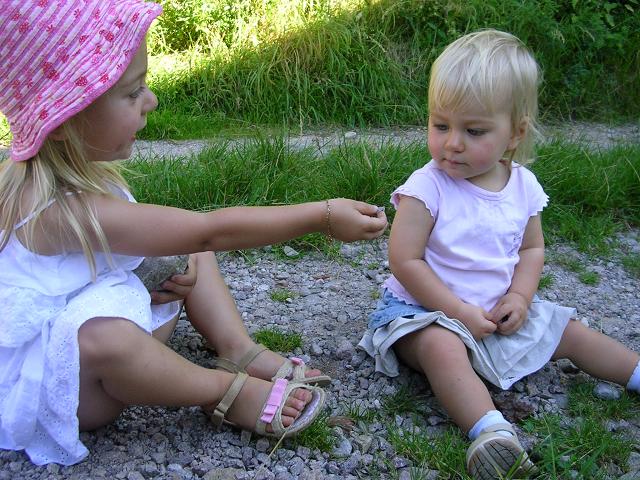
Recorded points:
(153, 230)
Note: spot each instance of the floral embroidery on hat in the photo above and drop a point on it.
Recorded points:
(58, 56)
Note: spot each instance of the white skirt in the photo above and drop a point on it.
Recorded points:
(501, 359)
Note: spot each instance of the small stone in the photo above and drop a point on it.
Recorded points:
(262, 445)
(155, 270)
(606, 391)
(290, 252)
(350, 135)
(343, 449)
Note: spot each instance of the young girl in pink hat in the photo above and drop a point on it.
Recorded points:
(80, 337)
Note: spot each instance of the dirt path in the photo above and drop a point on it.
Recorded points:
(590, 134)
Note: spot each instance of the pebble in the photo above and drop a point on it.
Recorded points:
(606, 391)
(331, 316)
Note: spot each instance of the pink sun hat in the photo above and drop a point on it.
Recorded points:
(58, 56)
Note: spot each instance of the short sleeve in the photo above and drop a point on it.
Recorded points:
(537, 198)
(423, 185)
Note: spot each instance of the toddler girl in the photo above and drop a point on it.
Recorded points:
(466, 251)
(79, 337)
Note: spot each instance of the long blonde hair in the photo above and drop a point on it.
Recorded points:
(60, 172)
(493, 69)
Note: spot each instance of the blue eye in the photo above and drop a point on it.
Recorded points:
(137, 92)
(475, 132)
(441, 127)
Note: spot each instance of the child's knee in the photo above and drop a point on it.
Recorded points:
(571, 339)
(100, 339)
(432, 342)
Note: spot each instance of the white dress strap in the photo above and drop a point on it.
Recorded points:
(32, 215)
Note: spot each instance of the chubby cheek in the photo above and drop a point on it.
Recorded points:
(435, 146)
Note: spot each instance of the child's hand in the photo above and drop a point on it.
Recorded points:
(477, 320)
(178, 287)
(351, 220)
(510, 313)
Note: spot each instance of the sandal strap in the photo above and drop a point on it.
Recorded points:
(248, 357)
(275, 399)
(217, 417)
(226, 365)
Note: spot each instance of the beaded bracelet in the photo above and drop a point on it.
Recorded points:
(328, 216)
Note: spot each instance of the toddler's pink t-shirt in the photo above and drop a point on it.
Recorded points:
(473, 247)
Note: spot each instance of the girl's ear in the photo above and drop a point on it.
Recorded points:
(518, 134)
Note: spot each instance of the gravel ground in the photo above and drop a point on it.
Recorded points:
(331, 301)
(329, 306)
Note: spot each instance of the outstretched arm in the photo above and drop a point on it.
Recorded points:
(153, 230)
(510, 312)
(409, 236)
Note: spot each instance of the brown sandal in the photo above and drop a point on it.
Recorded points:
(292, 369)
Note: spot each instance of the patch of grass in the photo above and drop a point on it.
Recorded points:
(546, 281)
(632, 264)
(576, 266)
(579, 445)
(589, 278)
(359, 413)
(375, 294)
(404, 400)
(282, 295)
(593, 193)
(357, 62)
(583, 403)
(318, 435)
(580, 448)
(444, 452)
(278, 341)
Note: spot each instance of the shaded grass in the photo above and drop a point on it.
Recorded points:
(632, 264)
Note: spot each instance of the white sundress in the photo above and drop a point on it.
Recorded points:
(45, 300)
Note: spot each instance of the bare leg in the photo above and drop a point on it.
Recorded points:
(121, 365)
(213, 312)
(442, 357)
(596, 354)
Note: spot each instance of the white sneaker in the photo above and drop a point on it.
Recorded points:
(493, 455)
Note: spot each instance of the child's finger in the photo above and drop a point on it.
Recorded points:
(183, 279)
(177, 288)
(164, 296)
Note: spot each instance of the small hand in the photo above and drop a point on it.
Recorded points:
(178, 287)
(353, 220)
(510, 313)
(477, 320)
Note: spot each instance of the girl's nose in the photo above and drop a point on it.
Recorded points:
(454, 141)
(151, 102)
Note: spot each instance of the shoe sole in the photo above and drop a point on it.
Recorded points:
(499, 458)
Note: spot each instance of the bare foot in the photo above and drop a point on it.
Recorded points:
(267, 363)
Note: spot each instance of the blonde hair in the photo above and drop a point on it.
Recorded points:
(60, 172)
(493, 69)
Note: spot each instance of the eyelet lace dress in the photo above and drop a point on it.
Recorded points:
(45, 300)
